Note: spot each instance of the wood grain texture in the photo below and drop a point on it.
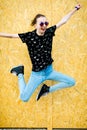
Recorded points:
(66, 108)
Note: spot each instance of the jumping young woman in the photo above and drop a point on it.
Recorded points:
(39, 44)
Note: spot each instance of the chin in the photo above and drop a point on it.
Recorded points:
(43, 32)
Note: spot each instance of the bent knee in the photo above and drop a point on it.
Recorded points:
(72, 82)
(24, 98)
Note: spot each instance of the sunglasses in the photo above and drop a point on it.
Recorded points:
(42, 23)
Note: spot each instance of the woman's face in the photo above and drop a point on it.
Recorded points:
(41, 25)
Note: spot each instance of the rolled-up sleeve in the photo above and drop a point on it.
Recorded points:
(52, 30)
(23, 37)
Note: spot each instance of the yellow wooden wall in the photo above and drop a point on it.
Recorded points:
(61, 109)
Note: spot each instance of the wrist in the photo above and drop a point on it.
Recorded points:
(77, 8)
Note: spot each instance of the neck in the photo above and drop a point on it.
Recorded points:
(39, 34)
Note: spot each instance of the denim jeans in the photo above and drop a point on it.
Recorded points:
(36, 78)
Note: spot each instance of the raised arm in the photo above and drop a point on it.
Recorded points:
(68, 16)
(7, 35)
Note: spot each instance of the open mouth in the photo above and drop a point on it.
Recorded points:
(43, 29)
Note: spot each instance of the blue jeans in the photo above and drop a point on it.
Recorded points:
(36, 78)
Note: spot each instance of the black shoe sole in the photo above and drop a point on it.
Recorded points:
(14, 72)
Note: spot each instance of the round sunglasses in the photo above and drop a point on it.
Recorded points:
(42, 23)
